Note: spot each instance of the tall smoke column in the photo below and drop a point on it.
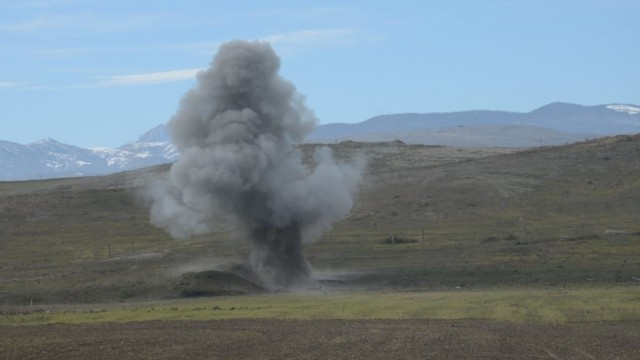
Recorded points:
(236, 131)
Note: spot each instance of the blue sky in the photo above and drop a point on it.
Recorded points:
(100, 73)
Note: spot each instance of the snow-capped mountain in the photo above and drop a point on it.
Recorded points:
(631, 110)
(552, 124)
(152, 148)
(49, 158)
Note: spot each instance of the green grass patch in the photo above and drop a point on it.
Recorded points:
(520, 306)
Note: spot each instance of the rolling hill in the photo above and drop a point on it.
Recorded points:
(552, 124)
(562, 122)
(427, 217)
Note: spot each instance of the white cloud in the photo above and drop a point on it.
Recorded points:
(285, 43)
(321, 12)
(313, 38)
(10, 84)
(296, 40)
(146, 78)
(35, 4)
(83, 21)
(63, 52)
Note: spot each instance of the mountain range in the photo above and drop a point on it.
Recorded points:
(556, 123)
(552, 124)
(48, 158)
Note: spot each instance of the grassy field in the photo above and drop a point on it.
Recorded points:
(448, 253)
(550, 234)
(513, 305)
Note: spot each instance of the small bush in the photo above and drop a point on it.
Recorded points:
(399, 240)
(490, 239)
(494, 238)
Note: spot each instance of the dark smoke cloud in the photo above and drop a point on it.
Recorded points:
(236, 132)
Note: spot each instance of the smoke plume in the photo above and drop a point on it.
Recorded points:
(236, 131)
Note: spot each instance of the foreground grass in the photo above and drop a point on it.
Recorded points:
(520, 306)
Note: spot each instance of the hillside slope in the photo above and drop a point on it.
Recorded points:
(552, 124)
(426, 217)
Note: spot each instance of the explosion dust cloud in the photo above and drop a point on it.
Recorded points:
(236, 131)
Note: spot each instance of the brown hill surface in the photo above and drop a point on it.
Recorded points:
(475, 217)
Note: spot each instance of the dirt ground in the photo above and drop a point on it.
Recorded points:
(321, 339)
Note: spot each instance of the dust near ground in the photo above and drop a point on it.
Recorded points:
(321, 339)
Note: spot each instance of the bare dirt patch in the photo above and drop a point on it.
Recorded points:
(321, 339)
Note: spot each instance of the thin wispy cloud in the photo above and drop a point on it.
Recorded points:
(38, 23)
(74, 22)
(145, 79)
(64, 52)
(300, 12)
(36, 4)
(296, 40)
(12, 85)
(287, 43)
(313, 38)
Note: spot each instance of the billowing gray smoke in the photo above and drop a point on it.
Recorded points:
(236, 132)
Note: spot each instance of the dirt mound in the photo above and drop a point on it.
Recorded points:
(214, 283)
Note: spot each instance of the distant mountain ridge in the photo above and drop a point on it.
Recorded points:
(552, 124)
(573, 119)
(49, 158)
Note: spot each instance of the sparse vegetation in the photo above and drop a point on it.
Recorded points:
(547, 235)
(514, 305)
(536, 222)
(399, 240)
